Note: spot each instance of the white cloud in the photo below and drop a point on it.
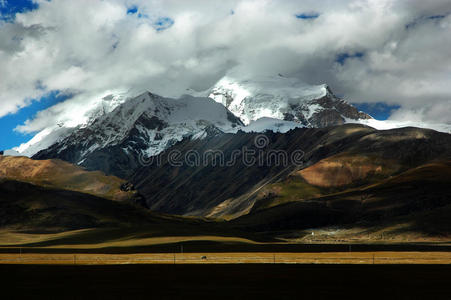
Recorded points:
(90, 47)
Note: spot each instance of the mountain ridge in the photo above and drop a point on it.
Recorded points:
(212, 190)
(283, 98)
(117, 142)
(139, 128)
(277, 97)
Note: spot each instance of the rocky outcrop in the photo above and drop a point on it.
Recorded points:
(329, 111)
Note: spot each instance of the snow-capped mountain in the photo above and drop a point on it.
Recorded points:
(271, 124)
(261, 103)
(392, 124)
(54, 134)
(283, 98)
(140, 127)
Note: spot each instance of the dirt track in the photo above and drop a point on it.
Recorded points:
(232, 258)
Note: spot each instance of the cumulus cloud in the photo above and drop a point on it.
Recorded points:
(90, 47)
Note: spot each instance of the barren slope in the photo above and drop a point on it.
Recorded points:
(56, 173)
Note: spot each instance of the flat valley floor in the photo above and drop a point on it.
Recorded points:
(127, 266)
(383, 257)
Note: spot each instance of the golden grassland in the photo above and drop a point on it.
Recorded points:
(230, 258)
(56, 249)
(57, 240)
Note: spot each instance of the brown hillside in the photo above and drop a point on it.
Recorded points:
(56, 173)
(344, 169)
(418, 199)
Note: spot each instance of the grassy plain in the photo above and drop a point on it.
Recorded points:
(229, 258)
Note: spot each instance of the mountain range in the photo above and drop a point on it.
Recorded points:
(146, 125)
(270, 156)
(283, 98)
(333, 159)
(141, 127)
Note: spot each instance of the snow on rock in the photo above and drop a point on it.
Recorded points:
(270, 96)
(163, 121)
(276, 97)
(51, 135)
(11, 153)
(391, 124)
(43, 140)
(143, 126)
(271, 124)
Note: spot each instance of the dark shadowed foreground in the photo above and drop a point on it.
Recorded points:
(227, 281)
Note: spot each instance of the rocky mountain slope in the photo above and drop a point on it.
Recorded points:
(141, 127)
(411, 206)
(57, 132)
(275, 97)
(138, 128)
(33, 207)
(227, 186)
(283, 98)
(348, 182)
(29, 208)
(58, 174)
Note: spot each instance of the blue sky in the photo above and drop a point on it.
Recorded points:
(159, 24)
(342, 57)
(132, 10)
(378, 110)
(306, 16)
(8, 8)
(10, 137)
